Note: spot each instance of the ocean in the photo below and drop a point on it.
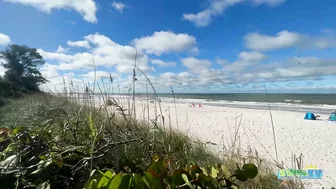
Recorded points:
(327, 99)
(318, 103)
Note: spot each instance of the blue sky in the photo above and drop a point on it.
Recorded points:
(193, 45)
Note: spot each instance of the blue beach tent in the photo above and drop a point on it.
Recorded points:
(310, 116)
(332, 116)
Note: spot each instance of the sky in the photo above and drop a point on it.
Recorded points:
(196, 46)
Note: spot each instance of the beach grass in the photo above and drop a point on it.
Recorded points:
(119, 135)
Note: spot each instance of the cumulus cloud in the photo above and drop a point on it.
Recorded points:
(50, 72)
(218, 7)
(249, 67)
(196, 65)
(60, 49)
(161, 63)
(118, 6)
(100, 74)
(251, 56)
(104, 52)
(221, 61)
(164, 42)
(286, 39)
(244, 60)
(84, 44)
(4, 39)
(87, 8)
(309, 68)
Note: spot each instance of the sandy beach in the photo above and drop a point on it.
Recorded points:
(314, 139)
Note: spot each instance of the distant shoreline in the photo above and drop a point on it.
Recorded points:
(318, 103)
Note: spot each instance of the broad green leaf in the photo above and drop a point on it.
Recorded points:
(240, 175)
(105, 179)
(151, 181)
(93, 184)
(185, 178)
(214, 172)
(108, 174)
(148, 177)
(15, 131)
(116, 181)
(205, 172)
(226, 171)
(158, 167)
(250, 170)
(125, 181)
(43, 157)
(138, 182)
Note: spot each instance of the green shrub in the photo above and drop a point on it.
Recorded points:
(55, 142)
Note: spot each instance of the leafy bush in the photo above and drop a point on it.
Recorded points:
(32, 158)
(159, 175)
(55, 142)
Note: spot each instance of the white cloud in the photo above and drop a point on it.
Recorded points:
(217, 7)
(84, 44)
(49, 71)
(4, 39)
(244, 60)
(60, 49)
(269, 2)
(286, 39)
(87, 8)
(196, 65)
(249, 67)
(55, 56)
(104, 52)
(118, 6)
(163, 64)
(251, 56)
(309, 68)
(283, 39)
(164, 42)
(222, 61)
(100, 74)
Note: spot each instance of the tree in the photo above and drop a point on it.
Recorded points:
(22, 63)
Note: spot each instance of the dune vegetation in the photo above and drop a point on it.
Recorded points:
(66, 141)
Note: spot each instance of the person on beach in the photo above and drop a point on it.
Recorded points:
(199, 105)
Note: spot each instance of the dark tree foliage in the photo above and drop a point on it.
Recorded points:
(22, 75)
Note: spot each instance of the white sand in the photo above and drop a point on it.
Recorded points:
(314, 139)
